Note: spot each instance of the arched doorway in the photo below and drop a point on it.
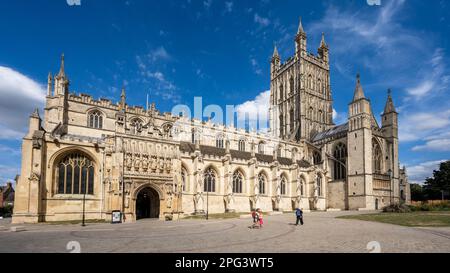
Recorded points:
(376, 204)
(147, 204)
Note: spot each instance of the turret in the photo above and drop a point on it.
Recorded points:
(61, 80)
(323, 50)
(359, 109)
(300, 40)
(123, 100)
(389, 118)
(49, 85)
(276, 61)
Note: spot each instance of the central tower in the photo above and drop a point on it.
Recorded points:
(300, 93)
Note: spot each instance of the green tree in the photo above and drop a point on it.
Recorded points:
(439, 182)
(417, 192)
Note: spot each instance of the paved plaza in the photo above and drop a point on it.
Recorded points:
(322, 232)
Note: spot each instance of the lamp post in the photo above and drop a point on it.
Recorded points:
(390, 185)
(207, 204)
(84, 202)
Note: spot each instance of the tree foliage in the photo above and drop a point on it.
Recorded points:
(439, 182)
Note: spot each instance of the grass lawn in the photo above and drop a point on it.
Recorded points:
(412, 219)
(218, 215)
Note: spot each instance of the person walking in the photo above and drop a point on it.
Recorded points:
(255, 217)
(260, 218)
(299, 214)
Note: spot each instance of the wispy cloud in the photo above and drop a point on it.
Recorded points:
(262, 21)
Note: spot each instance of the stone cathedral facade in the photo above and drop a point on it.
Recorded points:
(98, 156)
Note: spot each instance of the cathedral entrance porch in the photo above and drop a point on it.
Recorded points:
(147, 204)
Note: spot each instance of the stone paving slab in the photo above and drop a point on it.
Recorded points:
(322, 232)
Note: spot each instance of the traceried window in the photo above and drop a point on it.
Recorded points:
(219, 141)
(317, 158)
(242, 145)
(237, 182)
(262, 183)
(377, 157)
(95, 120)
(283, 184)
(136, 126)
(209, 180)
(340, 156)
(75, 175)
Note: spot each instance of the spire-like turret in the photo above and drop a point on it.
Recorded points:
(359, 93)
(122, 99)
(300, 27)
(322, 42)
(62, 73)
(276, 62)
(323, 49)
(300, 40)
(275, 55)
(49, 84)
(389, 107)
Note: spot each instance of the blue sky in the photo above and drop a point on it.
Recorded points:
(220, 50)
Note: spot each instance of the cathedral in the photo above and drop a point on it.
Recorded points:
(89, 157)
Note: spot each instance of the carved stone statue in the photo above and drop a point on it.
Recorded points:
(129, 162)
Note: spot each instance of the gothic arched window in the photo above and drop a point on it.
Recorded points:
(377, 157)
(242, 145)
(317, 158)
(219, 141)
(75, 175)
(136, 126)
(283, 183)
(262, 183)
(209, 180)
(95, 120)
(302, 186)
(237, 182)
(340, 156)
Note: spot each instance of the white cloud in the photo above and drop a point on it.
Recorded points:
(262, 21)
(418, 173)
(21, 95)
(255, 110)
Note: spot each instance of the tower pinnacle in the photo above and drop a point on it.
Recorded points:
(359, 92)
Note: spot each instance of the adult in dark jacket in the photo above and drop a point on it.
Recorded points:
(299, 215)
